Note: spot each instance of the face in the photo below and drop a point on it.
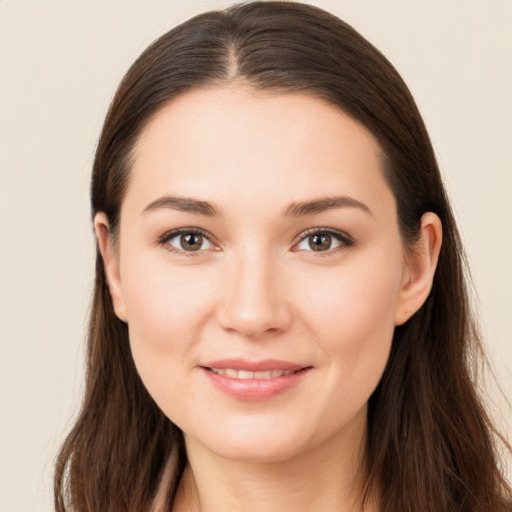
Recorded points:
(260, 269)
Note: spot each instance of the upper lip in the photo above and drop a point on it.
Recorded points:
(253, 366)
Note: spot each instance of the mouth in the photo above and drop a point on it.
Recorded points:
(236, 373)
(254, 381)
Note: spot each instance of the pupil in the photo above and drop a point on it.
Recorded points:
(320, 242)
(192, 241)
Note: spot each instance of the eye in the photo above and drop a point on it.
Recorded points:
(186, 240)
(323, 240)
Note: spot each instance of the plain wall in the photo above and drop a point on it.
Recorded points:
(60, 63)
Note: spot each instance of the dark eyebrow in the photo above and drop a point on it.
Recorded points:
(183, 204)
(312, 207)
(316, 206)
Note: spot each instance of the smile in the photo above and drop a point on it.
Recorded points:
(247, 374)
(254, 381)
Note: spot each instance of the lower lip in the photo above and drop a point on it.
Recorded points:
(254, 389)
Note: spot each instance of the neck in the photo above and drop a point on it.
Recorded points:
(328, 477)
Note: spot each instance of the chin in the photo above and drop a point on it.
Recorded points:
(263, 439)
(260, 450)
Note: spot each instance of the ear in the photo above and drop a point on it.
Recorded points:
(421, 263)
(110, 256)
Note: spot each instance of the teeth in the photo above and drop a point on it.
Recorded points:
(246, 374)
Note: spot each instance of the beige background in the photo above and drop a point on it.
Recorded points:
(60, 62)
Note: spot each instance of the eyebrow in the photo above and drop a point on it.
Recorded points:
(295, 209)
(317, 206)
(183, 204)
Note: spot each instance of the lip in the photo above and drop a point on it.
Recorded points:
(254, 389)
(253, 366)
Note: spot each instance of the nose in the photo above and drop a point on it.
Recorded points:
(254, 301)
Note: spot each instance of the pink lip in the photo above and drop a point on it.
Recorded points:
(253, 366)
(254, 389)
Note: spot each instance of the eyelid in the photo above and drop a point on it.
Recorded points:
(163, 239)
(345, 239)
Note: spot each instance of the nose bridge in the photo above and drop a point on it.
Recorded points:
(254, 300)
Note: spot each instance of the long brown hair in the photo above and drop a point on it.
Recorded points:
(431, 445)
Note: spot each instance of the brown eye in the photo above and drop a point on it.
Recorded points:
(321, 242)
(191, 241)
(186, 241)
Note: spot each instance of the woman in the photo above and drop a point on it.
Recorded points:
(280, 319)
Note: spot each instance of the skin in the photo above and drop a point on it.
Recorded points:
(256, 289)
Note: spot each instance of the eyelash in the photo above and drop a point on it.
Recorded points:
(166, 237)
(344, 239)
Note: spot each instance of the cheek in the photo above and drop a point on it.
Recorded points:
(355, 300)
(165, 306)
(166, 310)
(353, 321)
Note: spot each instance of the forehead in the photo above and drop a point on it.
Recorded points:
(225, 143)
